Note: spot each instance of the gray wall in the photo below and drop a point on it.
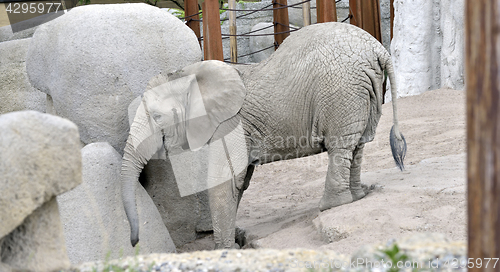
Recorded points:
(428, 45)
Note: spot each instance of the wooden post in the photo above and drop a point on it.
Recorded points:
(366, 15)
(306, 13)
(392, 17)
(233, 44)
(281, 23)
(190, 8)
(483, 126)
(212, 39)
(326, 11)
(354, 13)
(374, 18)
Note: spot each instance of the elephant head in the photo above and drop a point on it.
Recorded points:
(181, 112)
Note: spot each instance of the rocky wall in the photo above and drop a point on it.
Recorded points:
(428, 45)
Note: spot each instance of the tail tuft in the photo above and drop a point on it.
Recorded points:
(398, 148)
(134, 240)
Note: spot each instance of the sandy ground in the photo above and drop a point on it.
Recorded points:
(280, 208)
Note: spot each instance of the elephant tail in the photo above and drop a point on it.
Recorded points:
(396, 138)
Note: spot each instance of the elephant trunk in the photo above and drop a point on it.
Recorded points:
(143, 142)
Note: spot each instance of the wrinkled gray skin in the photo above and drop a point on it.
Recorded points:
(323, 87)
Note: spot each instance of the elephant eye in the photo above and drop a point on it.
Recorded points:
(157, 118)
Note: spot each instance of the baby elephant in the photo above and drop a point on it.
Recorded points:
(320, 91)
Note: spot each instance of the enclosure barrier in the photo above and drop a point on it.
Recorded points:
(363, 13)
(483, 124)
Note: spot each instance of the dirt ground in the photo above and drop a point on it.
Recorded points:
(280, 208)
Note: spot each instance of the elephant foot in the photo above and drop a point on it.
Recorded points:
(333, 200)
(221, 246)
(359, 193)
(240, 237)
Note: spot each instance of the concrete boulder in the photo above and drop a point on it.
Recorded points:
(25, 29)
(424, 251)
(6, 33)
(260, 42)
(96, 59)
(94, 220)
(16, 93)
(40, 159)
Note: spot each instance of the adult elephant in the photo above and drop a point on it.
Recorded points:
(321, 91)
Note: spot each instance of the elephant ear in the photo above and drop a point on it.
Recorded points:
(220, 97)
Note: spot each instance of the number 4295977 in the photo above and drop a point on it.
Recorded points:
(472, 263)
(32, 7)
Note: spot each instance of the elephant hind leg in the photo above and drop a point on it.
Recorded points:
(355, 185)
(337, 191)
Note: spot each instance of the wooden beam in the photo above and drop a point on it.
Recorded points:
(233, 44)
(326, 11)
(366, 15)
(482, 67)
(354, 13)
(281, 23)
(191, 8)
(212, 39)
(392, 17)
(373, 14)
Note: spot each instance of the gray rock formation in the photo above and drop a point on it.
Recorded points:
(428, 46)
(25, 29)
(452, 51)
(426, 250)
(16, 93)
(96, 59)
(6, 33)
(95, 224)
(258, 43)
(40, 159)
(236, 260)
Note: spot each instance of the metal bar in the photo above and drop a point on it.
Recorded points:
(483, 125)
(212, 39)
